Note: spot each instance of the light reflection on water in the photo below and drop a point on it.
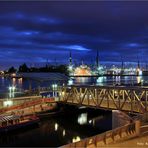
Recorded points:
(54, 132)
(23, 84)
(56, 127)
(82, 80)
(82, 118)
(112, 80)
(65, 129)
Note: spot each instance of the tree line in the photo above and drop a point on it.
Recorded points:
(47, 68)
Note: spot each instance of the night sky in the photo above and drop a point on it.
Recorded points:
(33, 32)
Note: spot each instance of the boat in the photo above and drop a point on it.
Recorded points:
(48, 113)
(14, 122)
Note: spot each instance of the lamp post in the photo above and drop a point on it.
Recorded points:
(11, 91)
(10, 88)
(54, 89)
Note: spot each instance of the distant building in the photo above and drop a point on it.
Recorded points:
(97, 69)
(82, 70)
(138, 70)
(85, 70)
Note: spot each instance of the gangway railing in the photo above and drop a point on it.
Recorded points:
(121, 133)
(131, 99)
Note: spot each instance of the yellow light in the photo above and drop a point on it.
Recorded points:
(8, 103)
(76, 139)
(56, 126)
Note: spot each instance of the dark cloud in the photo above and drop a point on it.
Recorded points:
(33, 32)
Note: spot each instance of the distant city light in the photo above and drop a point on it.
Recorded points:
(54, 86)
(70, 82)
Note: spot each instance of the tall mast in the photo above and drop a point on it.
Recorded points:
(97, 59)
(70, 58)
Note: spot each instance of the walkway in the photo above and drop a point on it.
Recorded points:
(135, 142)
(133, 99)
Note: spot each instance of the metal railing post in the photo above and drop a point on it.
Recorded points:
(137, 127)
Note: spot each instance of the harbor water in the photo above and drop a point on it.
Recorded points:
(63, 128)
(23, 84)
(73, 125)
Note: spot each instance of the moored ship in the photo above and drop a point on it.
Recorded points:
(14, 122)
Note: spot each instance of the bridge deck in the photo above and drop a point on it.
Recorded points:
(132, 99)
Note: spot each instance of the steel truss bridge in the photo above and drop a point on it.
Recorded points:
(124, 98)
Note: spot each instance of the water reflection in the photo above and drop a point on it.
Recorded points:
(90, 121)
(100, 80)
(63, 129)
(70, 81)
(82, 118)
(3, 80)
(122, 118)
(64, 133)
(20, 81)
(11, 94)
(118, 79)
(82, 80)
(14, 81)
(139, 79)
(56, 127)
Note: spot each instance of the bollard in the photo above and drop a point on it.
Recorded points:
(137, 127)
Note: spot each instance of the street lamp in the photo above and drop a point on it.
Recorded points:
(70, 82)
(10, 88)
(54, 88)
(13, 88)
(11, 91)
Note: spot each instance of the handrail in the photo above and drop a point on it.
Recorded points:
(128, 128)
(27, 104)
(110, 87)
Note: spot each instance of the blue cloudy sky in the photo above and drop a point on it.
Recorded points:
(33, 32)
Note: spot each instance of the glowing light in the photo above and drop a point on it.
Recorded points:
(82, 118)
(20, 81)
(100, 80)
(8, 103)
(54, 86)
(82, 79)
(13, 74)
(90, 121)
(13, 88)
(14, 81)
(70, 67)
(70, 82)
(83, 70)
(140, 72)
(139, 79)
(63, 93)
(56, 127)
(76, 139)
(10, 88)
(64, 133)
